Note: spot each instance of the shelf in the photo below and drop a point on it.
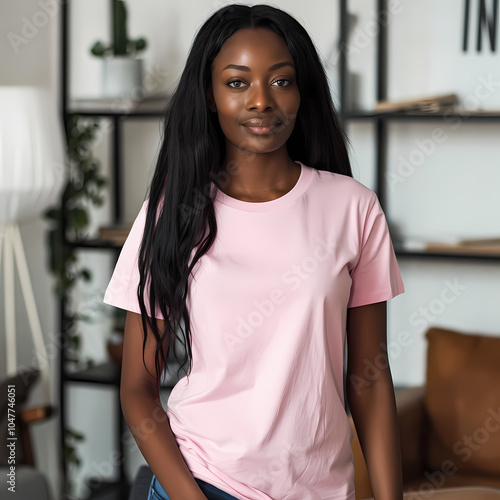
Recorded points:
(120, 107)
(427, 254)
(103, 373)
(94, 244)
(372, 115)
(400, 251)
(108, 373)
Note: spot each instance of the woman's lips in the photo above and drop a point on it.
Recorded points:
(261, 130)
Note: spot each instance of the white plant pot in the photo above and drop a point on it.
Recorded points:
(122, 77)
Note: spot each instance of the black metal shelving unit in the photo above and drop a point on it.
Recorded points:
(382, 120)
(108, 373)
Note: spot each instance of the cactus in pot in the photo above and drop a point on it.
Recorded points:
(121, 45)
(122, 72)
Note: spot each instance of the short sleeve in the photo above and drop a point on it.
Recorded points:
(375, 276)
(122, 288)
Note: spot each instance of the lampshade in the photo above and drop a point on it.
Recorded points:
(32, 156)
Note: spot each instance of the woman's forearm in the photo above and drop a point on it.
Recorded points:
(151, 429)
(374, 413)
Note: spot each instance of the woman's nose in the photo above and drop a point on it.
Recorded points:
(259, 97)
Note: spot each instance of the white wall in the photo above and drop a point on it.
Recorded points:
(452, 191)
(450, 188)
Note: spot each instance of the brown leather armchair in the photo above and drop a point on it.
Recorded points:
(449, 428)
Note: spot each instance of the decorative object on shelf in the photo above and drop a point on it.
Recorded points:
(353, 90)
(333, 73)
(486, 25)
(479, 246)
(122, 72)
(433, 104)
(115, 234)
(32, 173)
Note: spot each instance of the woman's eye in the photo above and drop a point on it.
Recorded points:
(283, 80)
(239, 82)
(235, 81)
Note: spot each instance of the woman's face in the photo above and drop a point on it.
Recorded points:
(254, 83)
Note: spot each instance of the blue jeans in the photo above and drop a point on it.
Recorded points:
(156, 492)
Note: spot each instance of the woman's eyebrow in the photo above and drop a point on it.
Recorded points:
(271, 68)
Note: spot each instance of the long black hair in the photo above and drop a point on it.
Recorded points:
(180, 218)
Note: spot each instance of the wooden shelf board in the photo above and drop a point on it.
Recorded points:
(95, 244)
(148, 107)
(367, 115)
(403, 252)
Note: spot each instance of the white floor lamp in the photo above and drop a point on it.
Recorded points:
(32, 173)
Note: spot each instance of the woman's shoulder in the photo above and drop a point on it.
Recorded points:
(341, 187)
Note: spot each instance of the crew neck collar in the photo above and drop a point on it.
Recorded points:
(299, 188)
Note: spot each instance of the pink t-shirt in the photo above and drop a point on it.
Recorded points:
(262, 415)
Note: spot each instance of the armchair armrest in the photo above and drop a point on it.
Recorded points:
(36, 413)
(412, 430)
(29, 416)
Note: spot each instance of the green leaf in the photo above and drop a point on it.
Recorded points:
(79, 218)
(140, 44)
(52, 213)
(98, 49)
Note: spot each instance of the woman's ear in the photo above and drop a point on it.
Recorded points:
(210, 100)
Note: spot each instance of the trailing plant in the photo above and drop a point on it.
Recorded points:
(83, 188)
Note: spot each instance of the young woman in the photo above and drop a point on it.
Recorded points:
(259, 254)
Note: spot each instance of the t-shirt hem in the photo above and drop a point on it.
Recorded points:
(342, 496)
(127, 307)
(374, 297)
(195, 474)
(211, 481)
(216, 483)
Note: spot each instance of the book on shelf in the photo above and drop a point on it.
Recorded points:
(482, 246)
(116, 234)
(152, 102)
(431, 104)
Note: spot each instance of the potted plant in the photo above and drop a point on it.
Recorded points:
(122, 71)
